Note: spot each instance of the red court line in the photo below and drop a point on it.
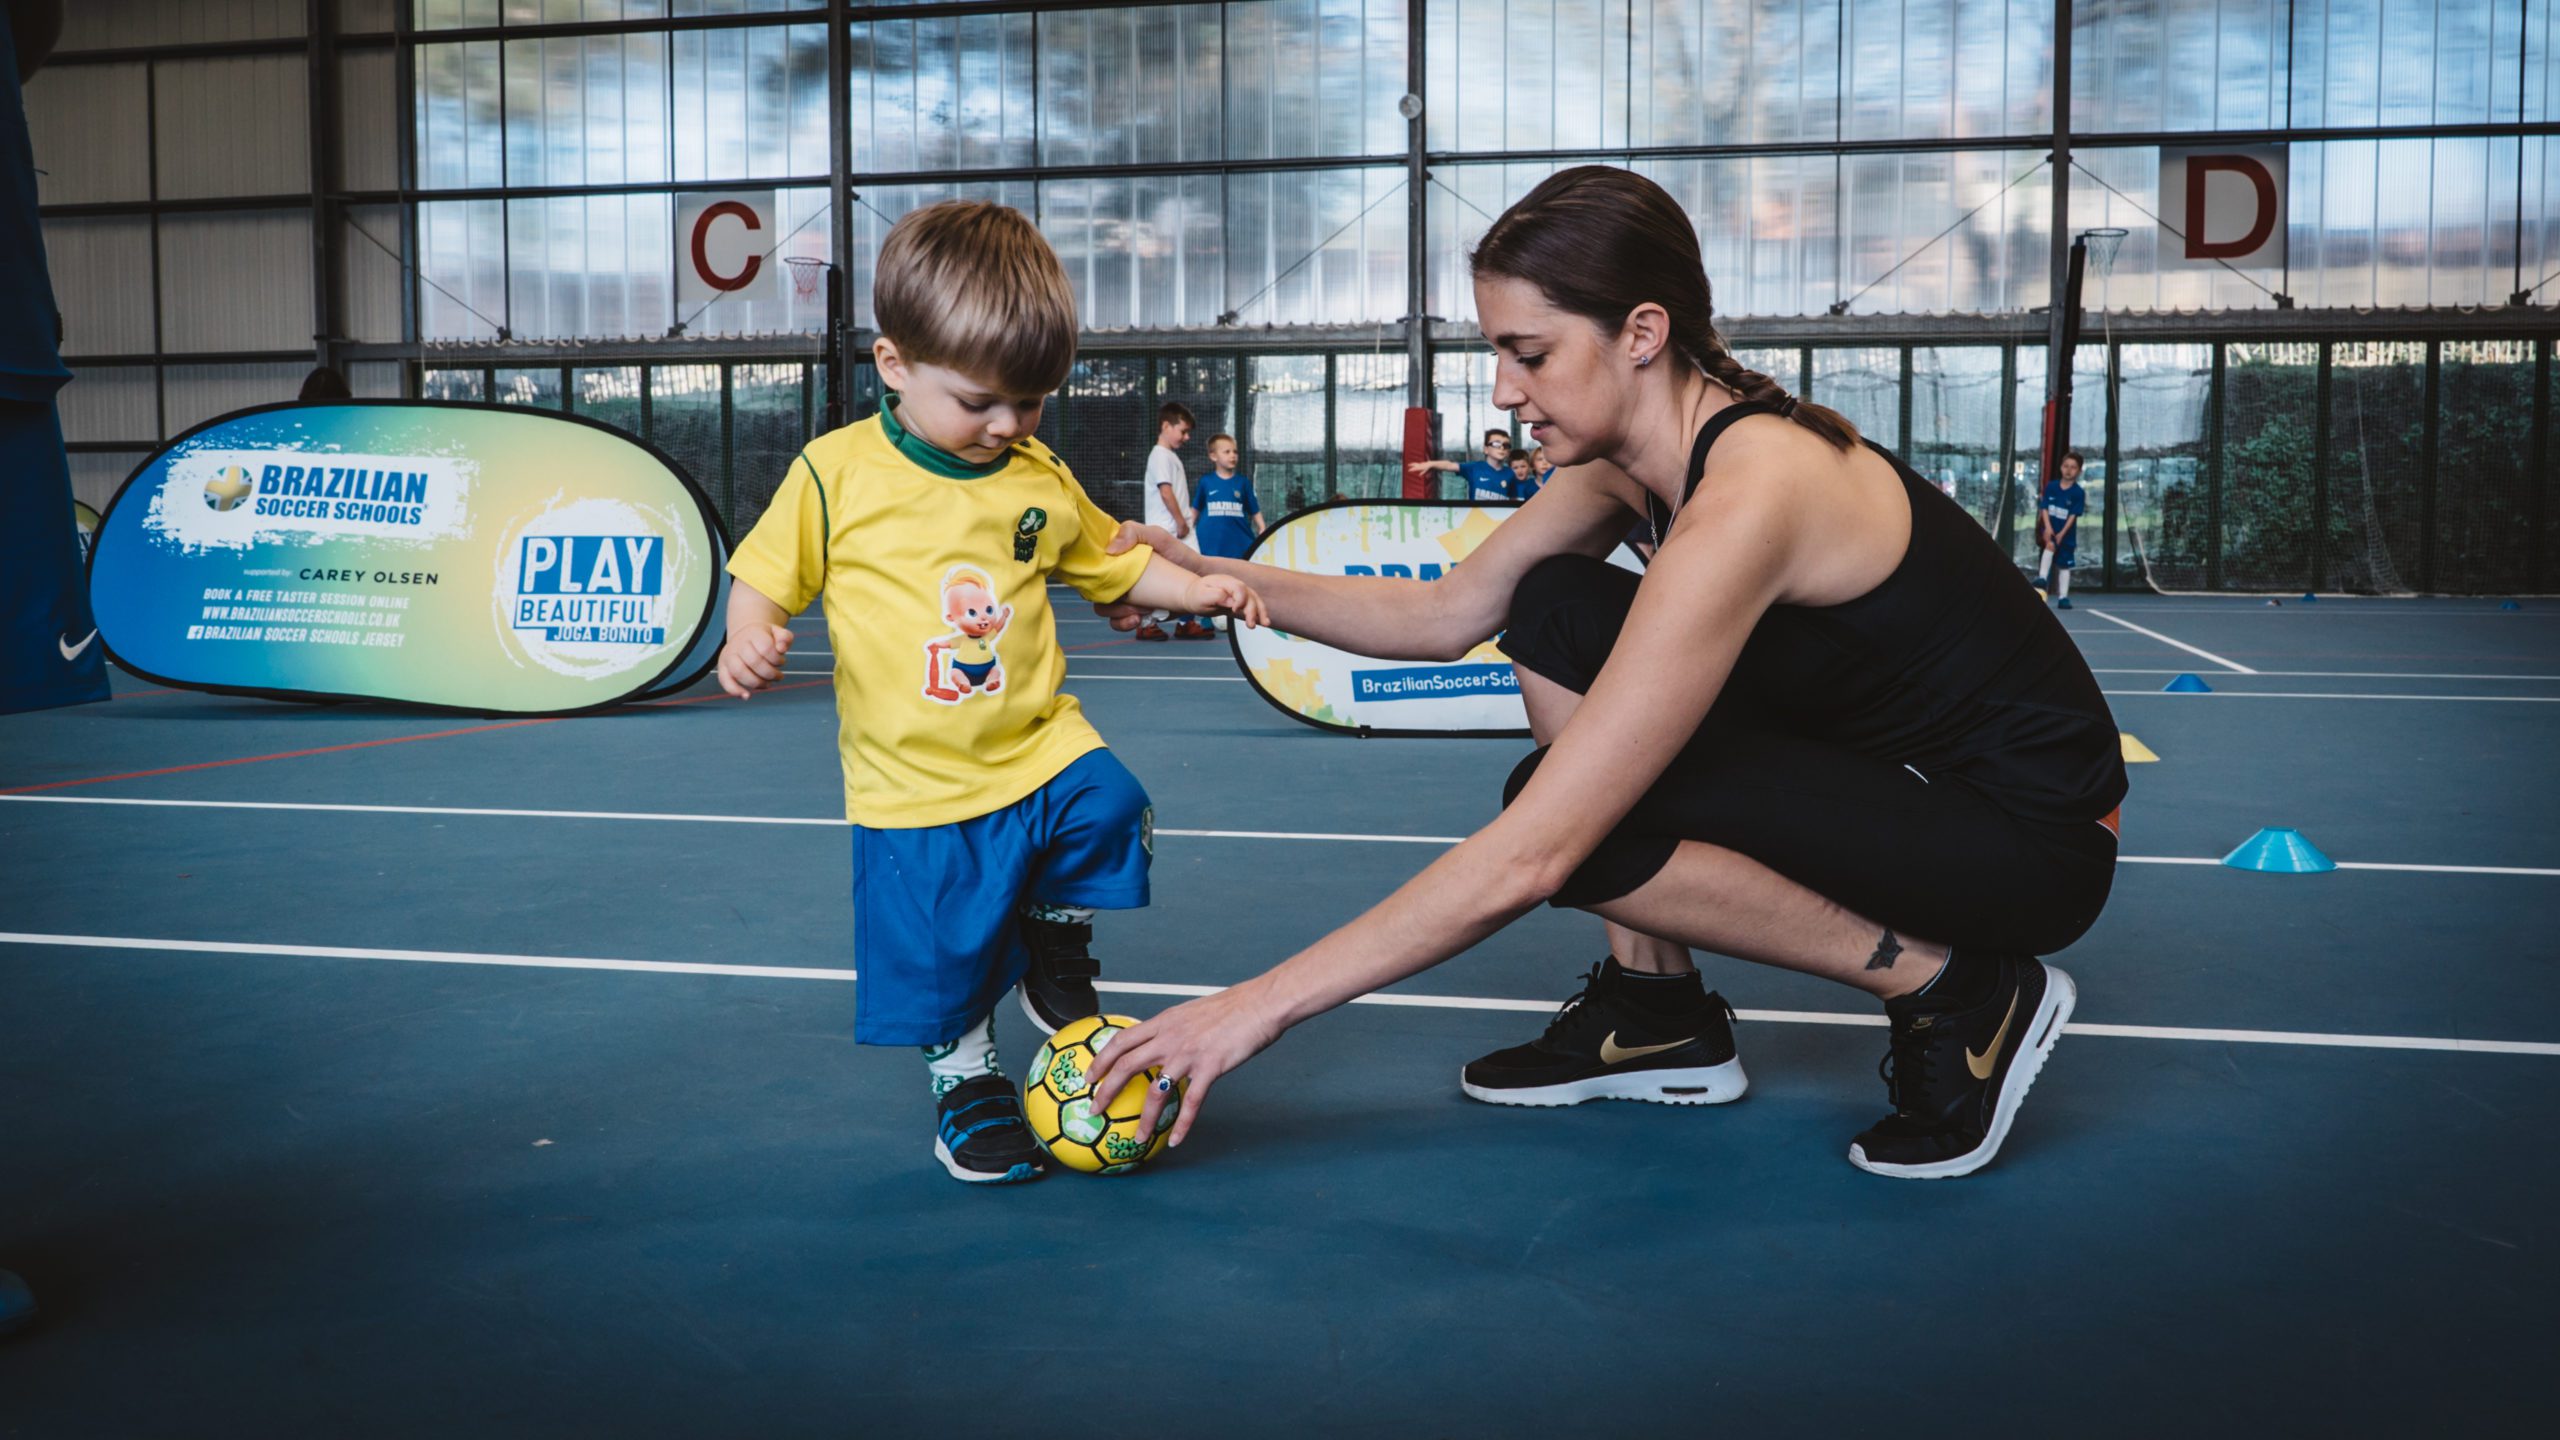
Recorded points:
(281, 755)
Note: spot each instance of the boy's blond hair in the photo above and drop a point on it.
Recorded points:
(972, 286)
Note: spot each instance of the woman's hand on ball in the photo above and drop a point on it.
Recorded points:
(1195, 1042)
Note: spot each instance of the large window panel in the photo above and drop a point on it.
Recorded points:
(460, 100)
(462, 269)
(1316, 247)
(587, 110)
(1314, 77)
(1863, 383)
(1132, 87)
(751, 103)
(1143, 252)
(589, 267)
(942, 92)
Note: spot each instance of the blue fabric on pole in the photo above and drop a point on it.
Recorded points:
(2279, 851)
(17, 1305)
(2186, 685)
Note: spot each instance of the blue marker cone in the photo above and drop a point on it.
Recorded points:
(17, 1307)
(2279, 851)
(2186, 685)
(2509, 605)
(2310, 599)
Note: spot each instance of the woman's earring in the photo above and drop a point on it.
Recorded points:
(1643, 360)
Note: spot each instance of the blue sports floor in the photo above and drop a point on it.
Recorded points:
(370, 1074)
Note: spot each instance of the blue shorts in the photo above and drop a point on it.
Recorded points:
(937, 934)
(2066, 551)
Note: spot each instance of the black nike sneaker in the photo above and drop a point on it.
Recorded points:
(1600, 1046)
(1957, 1072)
(982, 1137)
(1059, 985)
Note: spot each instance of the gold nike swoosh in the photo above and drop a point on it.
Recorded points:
(1611, 1052)
(1980, 1064)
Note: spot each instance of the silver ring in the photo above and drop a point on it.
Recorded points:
(1164, 1084)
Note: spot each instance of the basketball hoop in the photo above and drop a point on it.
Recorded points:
(2103, 245)
(808, 271)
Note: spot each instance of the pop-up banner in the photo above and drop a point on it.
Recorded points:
(460, 556)
(1476, 694)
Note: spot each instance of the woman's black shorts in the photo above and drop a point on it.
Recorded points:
(1930, 856)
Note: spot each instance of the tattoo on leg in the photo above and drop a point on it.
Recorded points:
(1886, 949)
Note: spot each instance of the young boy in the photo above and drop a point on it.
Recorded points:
(2058, 528)
(1524, 477)
(989, 821)
(1230, 513)
(1488, 478)
(1162, 505)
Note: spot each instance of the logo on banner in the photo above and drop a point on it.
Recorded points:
(588, 589)
(237, 499)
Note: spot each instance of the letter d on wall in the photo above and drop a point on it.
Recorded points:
(2228, 204)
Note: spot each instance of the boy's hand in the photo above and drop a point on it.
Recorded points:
(1226, 595)
(752, 658)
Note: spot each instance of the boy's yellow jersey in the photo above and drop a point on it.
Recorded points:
(935, 577)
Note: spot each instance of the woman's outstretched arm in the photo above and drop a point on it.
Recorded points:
(1718, 571)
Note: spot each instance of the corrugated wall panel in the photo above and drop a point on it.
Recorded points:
(373, 272)
(236, 281)
(374, 379)
(235, 126)
(198, 393)
(101, 24)
(102, 283)
(92, 134)
(368, 121)
(111, 402)
(367, 17)
(95, 478)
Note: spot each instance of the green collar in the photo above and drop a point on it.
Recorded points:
(929, 455)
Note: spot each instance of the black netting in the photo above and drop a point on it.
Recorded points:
(1369, 393)
(684, 421)
(1284, 434)
(2377, 449)
(2263, 528)
(1955, 424)
(767, 429)
(1106, 424)
(2165, 393)
(2485, 485)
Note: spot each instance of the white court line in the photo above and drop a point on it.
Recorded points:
(2342, 675)
(2337, 695)
(1315, 835)
(2180, 644)
(1127, 987)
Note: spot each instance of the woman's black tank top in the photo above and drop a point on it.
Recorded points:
(1952, 666)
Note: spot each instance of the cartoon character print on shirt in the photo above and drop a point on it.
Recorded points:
(964, 662)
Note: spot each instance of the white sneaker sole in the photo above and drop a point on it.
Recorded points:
(942, 1153)
(2060, 995)
(1700, 1085)
(1032, 1014)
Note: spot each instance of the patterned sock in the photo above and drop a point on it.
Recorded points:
(967, 1057)
(1056, 914)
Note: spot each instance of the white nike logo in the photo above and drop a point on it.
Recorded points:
(71, 651)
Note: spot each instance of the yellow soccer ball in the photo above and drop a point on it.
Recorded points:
(1057, 1096)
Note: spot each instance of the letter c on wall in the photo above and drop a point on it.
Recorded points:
(702, 258)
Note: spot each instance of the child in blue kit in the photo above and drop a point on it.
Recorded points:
(1230, 513)
(2058, 515)
(989, 823)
